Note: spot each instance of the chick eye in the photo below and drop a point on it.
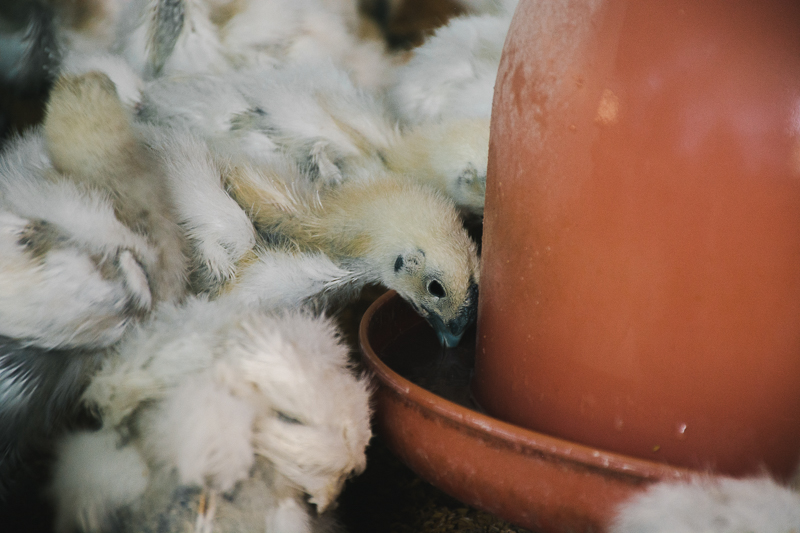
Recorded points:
(435, 289)
(286, 419)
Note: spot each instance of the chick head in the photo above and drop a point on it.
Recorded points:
(441, 285)
(314, 414)
(419, 248)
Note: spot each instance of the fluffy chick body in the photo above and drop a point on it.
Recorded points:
(71, 274)
(386, 230)
(88, 244)
(711, 505)
(216, 397)
(91, 140)
(451, 156)
(451, 75)
(169, 37)
(332, 129)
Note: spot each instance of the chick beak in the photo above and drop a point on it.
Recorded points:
(449, 333)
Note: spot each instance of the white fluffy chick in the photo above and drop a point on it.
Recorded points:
(333, 130)
(304, 31)
(70, 284)
(443, 96)
(91, 141)
(214, 109)
(723, 505)
(336, 131)
(312, 112)
(451, 75)
(167, 37)
(87, 247)
(451, 156)
(253, 410)
(71, 274)
(385, 230)
(163, 37)
(217, 229)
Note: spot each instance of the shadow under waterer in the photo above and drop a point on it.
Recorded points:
(639, 315)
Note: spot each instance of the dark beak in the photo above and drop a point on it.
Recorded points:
(450, 333)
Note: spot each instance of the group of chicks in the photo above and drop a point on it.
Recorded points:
(211, 181)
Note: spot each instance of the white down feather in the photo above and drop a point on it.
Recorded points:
(452, 74)
(721, 505)
(71, 272)
(209, 390)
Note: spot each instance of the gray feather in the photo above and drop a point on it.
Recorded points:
(169, 17)
(39, 397)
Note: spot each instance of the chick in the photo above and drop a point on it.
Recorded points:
(386, 230)
(91, 140)
(217, 229)
(333, 130)
(250, 409)
(304, 31)
(451, 156)
(314, 113)
(721, 505)
(71, 274)
(452, 75)
(442, 97)
(215, 110)
(161, 37)
(85, 252)
(168, 37)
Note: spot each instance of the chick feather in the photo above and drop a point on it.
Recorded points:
(711, 505)
(451, 75)
(91, 140)
(89, 244)
(162, 37)
(214, 397)
(386, 230)
(217, 229)
(169, 37)
(71, 284)
(40, 390)
(451, 156)
(332, 129)
(72, 274)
